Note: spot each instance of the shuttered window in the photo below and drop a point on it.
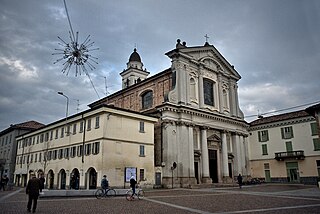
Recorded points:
(287, 132)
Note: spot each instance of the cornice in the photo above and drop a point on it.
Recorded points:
(202, 113)
(281, 123)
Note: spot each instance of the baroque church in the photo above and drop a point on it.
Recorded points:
(201, 136)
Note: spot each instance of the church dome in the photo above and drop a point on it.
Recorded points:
(135, 57)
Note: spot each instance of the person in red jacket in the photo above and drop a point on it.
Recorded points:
(33, 189)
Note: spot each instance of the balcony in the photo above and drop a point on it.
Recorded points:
(298, 155)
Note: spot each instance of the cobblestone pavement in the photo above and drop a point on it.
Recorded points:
(265, 198)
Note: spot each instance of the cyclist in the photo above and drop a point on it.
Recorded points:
(133, 183)
(104, 183)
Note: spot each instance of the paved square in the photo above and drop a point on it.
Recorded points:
(266, 198)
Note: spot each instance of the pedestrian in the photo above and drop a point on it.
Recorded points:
(33, 189)
(72, 182)
(42, 181)
(4, 182)
(104, 183)
(240, 180)
(133, 183)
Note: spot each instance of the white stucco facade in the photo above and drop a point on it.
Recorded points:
(77, 152)
(286, 157)
(203, 130)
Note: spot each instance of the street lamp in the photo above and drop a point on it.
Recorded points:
(62, 94)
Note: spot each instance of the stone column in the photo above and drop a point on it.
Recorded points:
(204, 157)
(191, 153)
(201, 95)
(225, 155)
(220, 94)
(238, 155)
(243, 155)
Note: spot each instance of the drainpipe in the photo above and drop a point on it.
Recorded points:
(83, 137)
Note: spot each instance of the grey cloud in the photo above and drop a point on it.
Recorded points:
(274, 45)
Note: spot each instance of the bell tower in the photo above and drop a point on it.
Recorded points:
(134, 72)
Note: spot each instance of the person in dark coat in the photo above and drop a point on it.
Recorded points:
(133, 183)
(240, 181)
(33, 188)
(42, 180)
(4, 182)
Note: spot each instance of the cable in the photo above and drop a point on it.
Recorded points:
(65, 6)
(270, 112)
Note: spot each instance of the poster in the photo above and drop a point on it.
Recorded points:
(130, 171)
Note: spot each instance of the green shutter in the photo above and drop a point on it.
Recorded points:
(264, 149)
(314, 129)
(289, 146)
(259, 136)
(291, 131)
(316, 143)
(282, 133)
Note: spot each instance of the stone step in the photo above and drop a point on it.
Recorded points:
(78, 193)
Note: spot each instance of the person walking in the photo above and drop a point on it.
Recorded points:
(240, 180)
(33, 189)
(133, 183)
(42, 180)
(4, 182)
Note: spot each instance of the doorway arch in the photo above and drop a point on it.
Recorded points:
(50, 179)
(62, 179)
(92, 173)
(75, 179)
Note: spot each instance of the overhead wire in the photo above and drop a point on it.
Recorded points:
(285, 109)
(73, 39)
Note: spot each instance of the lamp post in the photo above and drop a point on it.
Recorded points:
(62, 94)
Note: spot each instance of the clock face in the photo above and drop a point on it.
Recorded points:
(130, 171)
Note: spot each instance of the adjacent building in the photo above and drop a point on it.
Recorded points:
(75, 152)
(285, 148)
(201, 136)
(8, 145)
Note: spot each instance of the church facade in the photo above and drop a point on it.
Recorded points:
(201, 136)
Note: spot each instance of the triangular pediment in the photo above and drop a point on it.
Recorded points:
(214, 138)
(209, 57)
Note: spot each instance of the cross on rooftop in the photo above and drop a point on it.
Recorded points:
(207, 37)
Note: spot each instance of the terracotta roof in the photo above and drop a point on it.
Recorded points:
(29, 125)
(280, 117)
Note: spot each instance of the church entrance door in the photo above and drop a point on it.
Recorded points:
(213, 165)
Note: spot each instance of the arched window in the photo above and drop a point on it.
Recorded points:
(208, 92)
(147, 99)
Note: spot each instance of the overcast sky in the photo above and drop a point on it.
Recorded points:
(274, 46)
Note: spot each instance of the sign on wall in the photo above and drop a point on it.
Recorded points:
(130, 171)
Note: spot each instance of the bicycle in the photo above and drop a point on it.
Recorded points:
(100, 193)
(139, 193)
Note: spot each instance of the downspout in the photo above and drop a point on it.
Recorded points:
(83, 137)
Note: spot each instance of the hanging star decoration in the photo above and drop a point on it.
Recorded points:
(75, 54)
